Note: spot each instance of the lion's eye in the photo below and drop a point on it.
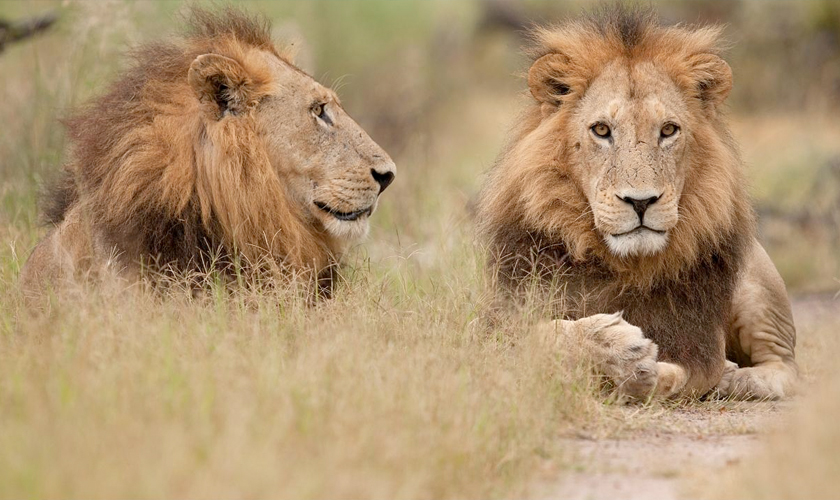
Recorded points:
(320, 111)
(601, 130)
(668, 130)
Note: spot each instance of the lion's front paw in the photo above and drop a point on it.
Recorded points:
(769, 382)
(620, 352)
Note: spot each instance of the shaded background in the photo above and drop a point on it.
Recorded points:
(437, 84)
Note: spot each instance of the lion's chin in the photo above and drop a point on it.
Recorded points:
(347, 230)
(640, 241)
(345, 226)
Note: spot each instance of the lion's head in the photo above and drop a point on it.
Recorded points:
(623, 156)
(331, 170)
(217, 141)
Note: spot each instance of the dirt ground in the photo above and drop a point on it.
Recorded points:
(665, 462)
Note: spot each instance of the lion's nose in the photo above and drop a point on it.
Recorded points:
(640, 205)
(384, 179)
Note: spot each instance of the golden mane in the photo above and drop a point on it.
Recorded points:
(530, 203)
(160, 180)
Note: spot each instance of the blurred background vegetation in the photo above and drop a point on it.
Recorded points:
(437, 84)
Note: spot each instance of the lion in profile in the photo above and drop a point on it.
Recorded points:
(213, 149)
(623, 189)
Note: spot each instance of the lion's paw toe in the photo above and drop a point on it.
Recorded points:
(757, 382)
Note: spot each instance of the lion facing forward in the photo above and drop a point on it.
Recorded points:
(211, 150)
(623, 186)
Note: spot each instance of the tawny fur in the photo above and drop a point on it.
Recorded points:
(536, 211)
(178, 164)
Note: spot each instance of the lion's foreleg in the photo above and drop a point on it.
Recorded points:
(762, 336)
(773, 373)
(65, 253)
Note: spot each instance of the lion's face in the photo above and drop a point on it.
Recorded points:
(627, 145)
(328, 170)
(631, 129)
(332, 168)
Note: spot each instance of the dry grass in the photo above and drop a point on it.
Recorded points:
(392, 390)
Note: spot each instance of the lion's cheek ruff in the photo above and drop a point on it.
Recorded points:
(238, 188)
(532, 189)
(182, 171)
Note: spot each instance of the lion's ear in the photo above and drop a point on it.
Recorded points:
(711, 78)
(222, 83)
(549, 79)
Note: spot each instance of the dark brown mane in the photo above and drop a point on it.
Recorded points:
(255, 31)
(135, 163)
(629, 24)
(95, 127)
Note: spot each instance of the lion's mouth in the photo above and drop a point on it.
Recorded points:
(344, 216)
(641, 240)
(638, 229)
